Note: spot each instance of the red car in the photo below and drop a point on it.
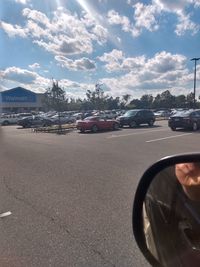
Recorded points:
(95, 124)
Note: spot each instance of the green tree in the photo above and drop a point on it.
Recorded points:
(190, 100)
(55, 99)
(125, 100)
(180, 101)
(97, 98)
(146, 101)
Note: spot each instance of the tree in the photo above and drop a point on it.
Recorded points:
(190, 100)
(146, 101)
(97, 97)
(180, 101)
(54, 98)
(125, 99)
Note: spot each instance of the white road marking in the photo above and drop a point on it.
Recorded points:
(135, 133)
(164, 138)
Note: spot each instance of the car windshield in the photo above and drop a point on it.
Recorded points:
(130, 113)
(182, 113)
(69, 180)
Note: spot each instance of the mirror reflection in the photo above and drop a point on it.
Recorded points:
(171, 215)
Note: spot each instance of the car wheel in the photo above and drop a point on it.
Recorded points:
(173, 128)
(94, 128)
(5, 123)
(115, 126)
(132, 124)
(151, 122)
(194, 126)
(82, 130)
(28, 125)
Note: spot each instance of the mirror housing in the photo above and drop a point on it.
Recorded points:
(140, 196)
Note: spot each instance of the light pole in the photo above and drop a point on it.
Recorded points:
(195, 59)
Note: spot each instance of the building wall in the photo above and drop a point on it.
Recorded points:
(20, 100)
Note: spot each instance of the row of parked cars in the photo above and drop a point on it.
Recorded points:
(52, 118)
(178, 119)
(94, 121)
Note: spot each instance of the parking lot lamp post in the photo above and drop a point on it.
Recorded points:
(195, 70)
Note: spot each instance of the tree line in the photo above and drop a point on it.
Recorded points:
(55, 98)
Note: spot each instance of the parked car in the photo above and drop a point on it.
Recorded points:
(63, 119)
(34, 121)
(136, 117)
(189, 119)
(162, 113)
(9, 119)
(96, 123)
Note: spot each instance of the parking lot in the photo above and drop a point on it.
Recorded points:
(71, 195)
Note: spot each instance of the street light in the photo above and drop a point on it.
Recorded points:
(195, 59)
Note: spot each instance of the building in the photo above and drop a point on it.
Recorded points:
(19, 99)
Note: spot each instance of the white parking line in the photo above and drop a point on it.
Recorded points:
(164, 138)
(139, 132)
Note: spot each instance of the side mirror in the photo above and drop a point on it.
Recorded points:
(166, 212)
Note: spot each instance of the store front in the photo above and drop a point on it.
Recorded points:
(19, 100)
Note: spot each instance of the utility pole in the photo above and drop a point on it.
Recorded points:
(195, 59)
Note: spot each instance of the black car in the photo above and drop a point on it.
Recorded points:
(136, 117)
(34, 121)
(189, 119)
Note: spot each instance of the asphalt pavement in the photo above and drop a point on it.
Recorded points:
(71, 195)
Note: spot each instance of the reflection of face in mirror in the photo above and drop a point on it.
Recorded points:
(171, 215)
(188, 174)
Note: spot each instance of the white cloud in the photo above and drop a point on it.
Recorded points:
(65, 34)
(113, 60)
(24, 2)
(148, 16)
(34, 66)
(178, 7)
(79, 64)
(18, 75)
(185, 24)
(149, 75)
(115, 19)
(15, 76)
(36, 16)
(13, 30)
(116, 61)
(145, 17)
(100, 34)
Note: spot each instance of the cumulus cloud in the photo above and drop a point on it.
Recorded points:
(145, 17)
(148, 16)
(63, 34)
(24, 2)
(114, 18)
(34, 66)
(148, 75)
(79, 64)
(18, 75)
(13, 30)
(116, 61)
(37, 83)
(185, 24)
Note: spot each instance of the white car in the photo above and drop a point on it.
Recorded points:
(9, 119)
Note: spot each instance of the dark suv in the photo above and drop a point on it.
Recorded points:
(136, 117)
(189, 119)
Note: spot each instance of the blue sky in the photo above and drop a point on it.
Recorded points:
(131, 47)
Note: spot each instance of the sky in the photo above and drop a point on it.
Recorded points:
(129, 47)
